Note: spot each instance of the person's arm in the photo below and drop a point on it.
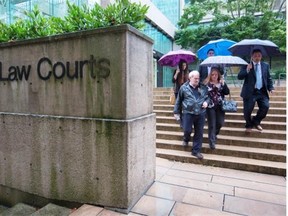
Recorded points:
(225, 89)
(245, 70)
(270, 86)
(175, 75)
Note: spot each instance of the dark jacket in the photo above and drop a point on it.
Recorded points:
(188, 103)
(181, 79)
(216, 94)
(203, 71)
(250, 80)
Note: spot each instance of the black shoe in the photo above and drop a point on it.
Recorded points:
(198, 155)
(185, 143)
(212, 146)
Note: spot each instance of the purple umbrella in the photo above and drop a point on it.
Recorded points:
(173, 58)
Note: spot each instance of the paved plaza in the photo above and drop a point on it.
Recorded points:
(183, 189)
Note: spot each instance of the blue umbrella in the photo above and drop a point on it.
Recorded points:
(219, 46)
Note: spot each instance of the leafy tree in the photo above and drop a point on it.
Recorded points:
(234, 20)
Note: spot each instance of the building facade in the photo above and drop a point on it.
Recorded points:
(160, 24)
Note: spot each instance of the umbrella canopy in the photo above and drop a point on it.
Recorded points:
(246, 46)
(173, 58)
(220, 47)
(224, 60)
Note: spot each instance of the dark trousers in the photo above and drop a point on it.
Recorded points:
(197, 122)
(215, 118)
(249, 103)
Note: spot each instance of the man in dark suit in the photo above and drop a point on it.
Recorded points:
(205, 70)
(257, 83)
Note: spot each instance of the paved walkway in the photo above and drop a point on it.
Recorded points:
(182, 189)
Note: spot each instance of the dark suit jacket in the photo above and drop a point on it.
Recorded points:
(203, 71)
(250, 80)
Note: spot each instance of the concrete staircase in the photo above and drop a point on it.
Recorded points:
(263, 152)
(21, 209)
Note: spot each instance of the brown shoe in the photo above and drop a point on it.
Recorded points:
(248, 130)
(258, 127)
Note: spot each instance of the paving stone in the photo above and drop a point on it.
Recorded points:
(86, 210)
(19, 209)
(148, 205)
(249, 207)
(167, 191)
(52, 209)
(106, 212)
(261, 196)
(277, 189)
(201, 185)
(240, 174)
(204, 198)
(164, 163)
(181, 209)
(190, 175)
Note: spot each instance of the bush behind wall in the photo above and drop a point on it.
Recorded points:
(78, 18)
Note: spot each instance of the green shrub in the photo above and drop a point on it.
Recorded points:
(78, 18)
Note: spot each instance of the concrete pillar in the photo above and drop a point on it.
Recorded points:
(77, 120)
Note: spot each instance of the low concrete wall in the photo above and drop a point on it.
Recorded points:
(76, 119)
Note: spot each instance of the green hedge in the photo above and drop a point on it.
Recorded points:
(78, 18)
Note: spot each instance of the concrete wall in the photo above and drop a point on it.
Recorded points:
(86, 138)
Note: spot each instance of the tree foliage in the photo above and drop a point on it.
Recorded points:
(232, 19)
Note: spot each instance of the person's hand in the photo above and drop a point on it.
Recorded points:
(249, 67)
(176, 74)
(222, 81)
(271, 92)
(204, 105)
(177, 117)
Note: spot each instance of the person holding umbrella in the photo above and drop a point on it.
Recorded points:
(257, 83)
(217, 89)
(205, 70)
(180, 76)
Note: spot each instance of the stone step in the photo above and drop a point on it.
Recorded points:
(228, 150)
(239, 103)
(233, 97)
(19, 209)
(247, 164)
(229, 116)
(52, 209)
(233, 93)
(168, 107)
(2, 208)
(231, 87)
(232, 131)
(255, 142)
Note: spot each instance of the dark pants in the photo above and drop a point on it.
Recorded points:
(197, 121)
(215, 118)
(249, 103)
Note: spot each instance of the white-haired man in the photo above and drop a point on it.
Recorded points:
(191, 103)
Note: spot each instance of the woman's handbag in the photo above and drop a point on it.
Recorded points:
(172, 98)
(229, 105)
